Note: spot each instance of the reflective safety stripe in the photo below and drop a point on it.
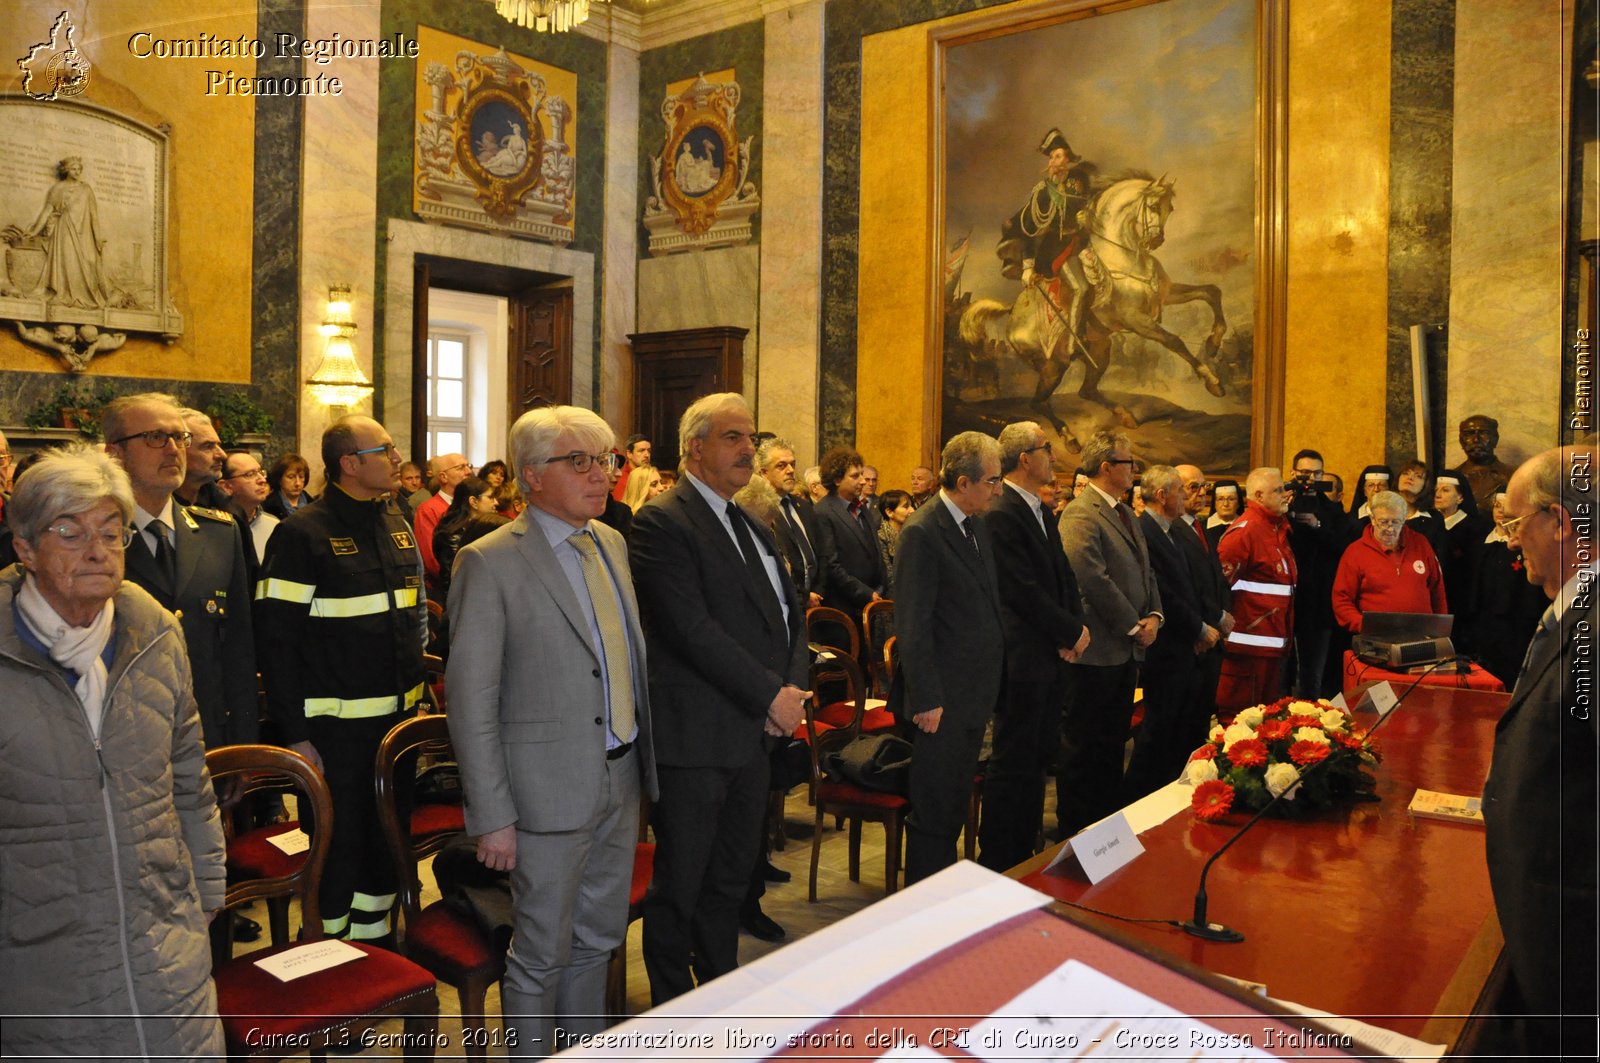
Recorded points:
(364, 604)
(368, 902)
(335, 927)
(358, 708)
(1279, 590)
(369, 931)
(285, 590)
(1257, 640)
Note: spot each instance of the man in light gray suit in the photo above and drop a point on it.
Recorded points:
(1123, 613)
(550, 718)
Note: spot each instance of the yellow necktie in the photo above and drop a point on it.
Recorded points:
(613, 640)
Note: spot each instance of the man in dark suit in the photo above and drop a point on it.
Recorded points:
(947, 620)
(728, 663)
(1170, 664)
(1123, 609)
(1041, 613)
(193, 563)
(1215, 595)
(802, 539)
(1539, 801)
(855, 574)
(550, 720)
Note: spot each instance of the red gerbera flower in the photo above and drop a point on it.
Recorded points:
(1205, 752)
(1212, 800)
(1250, 753)
(1307, 753)
(1349, 741)
(1273, 730)
(1305, 721)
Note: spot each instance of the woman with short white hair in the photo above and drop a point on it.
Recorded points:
(1390, 569)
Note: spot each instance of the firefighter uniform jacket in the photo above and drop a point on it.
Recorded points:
(1259, 565)
(341, 618)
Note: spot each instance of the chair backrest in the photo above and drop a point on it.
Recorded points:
(406, 739)
(271, 768)
(827, 672)
(433, 681)
(877, 627)
(891, 660)
(825, 625)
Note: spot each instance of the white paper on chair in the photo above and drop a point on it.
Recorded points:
(309, 959)
(291, 842)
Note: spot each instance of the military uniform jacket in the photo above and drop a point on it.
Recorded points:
(211, 599)
(341, 612)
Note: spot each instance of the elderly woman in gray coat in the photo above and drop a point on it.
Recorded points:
(111, 847)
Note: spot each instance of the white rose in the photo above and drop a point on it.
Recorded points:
(1199, 771)
(1312, 734)
(1215, 733)
(1252, 716)
(1281, 777)
(1237, 733)
(1334, 720)
(1303, 708)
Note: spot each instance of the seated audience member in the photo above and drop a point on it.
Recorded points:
(1390, 569)
(473, 500)
(1373, 479)
(644, 483)
(1461, 530)
(244, 481)
(287, 481)
(894, 506)
(1225, 506)
(113, 847)
(1499, 620)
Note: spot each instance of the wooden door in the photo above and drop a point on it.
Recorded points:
(539, 350)
(671, 370)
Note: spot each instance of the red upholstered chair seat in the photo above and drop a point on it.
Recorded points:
(258, 1011)
(840, 713)
(430, 819)
(251, 855)
(644, 866)
(800, 734)
(449, 944)
(833, 792)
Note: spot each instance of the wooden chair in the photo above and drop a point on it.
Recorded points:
(433, 682)
(263, 1018)
(452, 947)
(877, 627)
(843, 799)
(826, 626)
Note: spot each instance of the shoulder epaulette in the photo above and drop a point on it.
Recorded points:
(221, 516)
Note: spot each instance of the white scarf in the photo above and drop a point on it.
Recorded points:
(77, 648)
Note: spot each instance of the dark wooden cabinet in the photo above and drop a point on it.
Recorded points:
(671, 370)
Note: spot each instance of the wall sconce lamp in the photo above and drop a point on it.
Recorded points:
(339, 380)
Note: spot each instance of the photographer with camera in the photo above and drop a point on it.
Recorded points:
(1317, 536)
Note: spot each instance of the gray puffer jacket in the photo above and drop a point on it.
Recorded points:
(108, 856)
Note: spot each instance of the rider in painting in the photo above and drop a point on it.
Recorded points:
(1039, 244)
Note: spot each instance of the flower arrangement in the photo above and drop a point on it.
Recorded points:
(1266, 751)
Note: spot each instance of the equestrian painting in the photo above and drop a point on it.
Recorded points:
(1121, 292)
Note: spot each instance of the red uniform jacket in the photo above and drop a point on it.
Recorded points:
(1256, 558)
(1373, 580)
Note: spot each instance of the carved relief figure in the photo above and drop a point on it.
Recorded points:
(70, 227)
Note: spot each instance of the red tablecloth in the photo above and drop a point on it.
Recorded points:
(1357, 672)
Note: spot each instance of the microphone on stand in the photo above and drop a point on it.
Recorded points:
(1200, 926)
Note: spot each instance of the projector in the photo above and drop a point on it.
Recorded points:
(1393, 654)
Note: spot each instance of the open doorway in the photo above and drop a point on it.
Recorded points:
(488, 343)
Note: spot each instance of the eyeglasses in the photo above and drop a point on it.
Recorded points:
(1197, 487)
(580, 461)
(253, 474)
(1045, 446)
(387, 450)
(156, 438)
(1509, 527)
(75, 537)
(5, 459)
(1389, 524)
(1122, 461)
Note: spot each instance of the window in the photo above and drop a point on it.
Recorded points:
(447, 392)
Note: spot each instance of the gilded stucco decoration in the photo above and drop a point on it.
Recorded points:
(702, 197)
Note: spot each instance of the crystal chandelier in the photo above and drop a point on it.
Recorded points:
(555, 16)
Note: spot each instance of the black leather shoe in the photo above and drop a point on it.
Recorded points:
(773, 873)
(760, 925)
(245, 929)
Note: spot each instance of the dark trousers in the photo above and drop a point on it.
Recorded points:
(942, 767)
(1162, 744)
(708, 834)
(1027, 736)
(358, 884)
(1094, 733)
(1311, 662)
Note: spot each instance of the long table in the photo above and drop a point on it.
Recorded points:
(1367, 912)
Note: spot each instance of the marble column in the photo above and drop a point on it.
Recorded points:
(791, 304)
(1506, 268)
(339, 212)
(619, 298)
